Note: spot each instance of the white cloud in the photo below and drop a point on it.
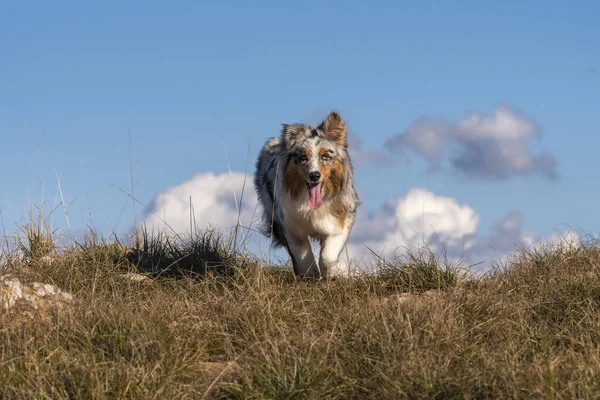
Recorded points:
(504, 124)
(421, 219)
(496, 146)
(418, 218)
(207, 200)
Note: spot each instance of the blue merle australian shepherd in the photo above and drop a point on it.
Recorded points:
(305, 184)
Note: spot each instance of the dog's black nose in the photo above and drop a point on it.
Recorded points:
(314, 176)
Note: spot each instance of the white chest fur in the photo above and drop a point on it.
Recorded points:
(298, 217)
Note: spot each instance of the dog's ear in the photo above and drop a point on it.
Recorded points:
(335, 127)
(292, 133)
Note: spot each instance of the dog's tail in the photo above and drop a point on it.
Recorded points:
(264, 182)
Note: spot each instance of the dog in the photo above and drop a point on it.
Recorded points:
(305, 184)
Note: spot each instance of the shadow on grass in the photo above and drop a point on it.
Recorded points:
(208, 252)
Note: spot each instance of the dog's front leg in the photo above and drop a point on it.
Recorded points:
(302, 256)
(331, 247)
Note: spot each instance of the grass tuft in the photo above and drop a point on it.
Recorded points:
(418, 271)
(198, 254)
(37, 242)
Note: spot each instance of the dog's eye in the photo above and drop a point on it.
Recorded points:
(326, 158)
(302, 159)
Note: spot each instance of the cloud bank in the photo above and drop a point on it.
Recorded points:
(493, 147)
(422, 219)
(416, 219)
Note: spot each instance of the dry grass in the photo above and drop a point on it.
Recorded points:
(217, 325)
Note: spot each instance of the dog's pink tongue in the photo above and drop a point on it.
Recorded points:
(315, 200)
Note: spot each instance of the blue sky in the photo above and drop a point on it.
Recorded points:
(191, 78)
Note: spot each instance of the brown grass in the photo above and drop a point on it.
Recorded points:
(229, 328)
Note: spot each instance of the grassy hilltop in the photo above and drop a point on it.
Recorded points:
(209, 323)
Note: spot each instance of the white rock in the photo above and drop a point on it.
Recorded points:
(67, 296)
(15, 288)
(36, 294)
(50, 289)
(39, 288)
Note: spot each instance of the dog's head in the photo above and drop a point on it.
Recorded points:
(317, 159)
